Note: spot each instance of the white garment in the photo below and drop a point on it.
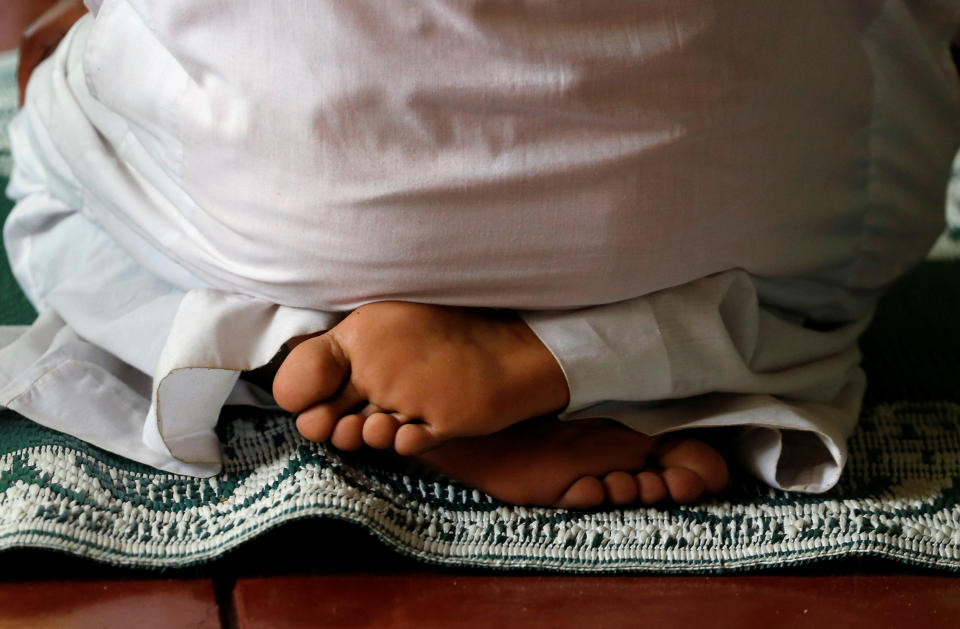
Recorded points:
(207, 161)
(576, 152)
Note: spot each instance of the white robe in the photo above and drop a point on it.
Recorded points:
(666, 205)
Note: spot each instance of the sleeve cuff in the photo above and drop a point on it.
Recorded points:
(585, 343)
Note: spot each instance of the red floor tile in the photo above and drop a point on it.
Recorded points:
(107, 604)
(554, 602)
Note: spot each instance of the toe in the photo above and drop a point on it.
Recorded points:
(348, 433)
(318, 422)
(684, 485)
(380, 430)
(620, 487)
(650, 488)
(584, 493)
(697, 457)
(415, 439)
(312, 372)
(316, 425)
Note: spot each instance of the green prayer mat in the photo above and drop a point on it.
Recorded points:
(897, 499)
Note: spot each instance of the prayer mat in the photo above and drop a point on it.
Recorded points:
(899, 497)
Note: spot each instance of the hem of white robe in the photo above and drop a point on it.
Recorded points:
(790, 445)
(51, 375)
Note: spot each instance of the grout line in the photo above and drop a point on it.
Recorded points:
(223, 587)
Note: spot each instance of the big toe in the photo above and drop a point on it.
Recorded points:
(312, 372)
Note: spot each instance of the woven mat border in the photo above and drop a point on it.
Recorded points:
(59, 493)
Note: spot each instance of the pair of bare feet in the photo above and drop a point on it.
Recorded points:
(471, 392)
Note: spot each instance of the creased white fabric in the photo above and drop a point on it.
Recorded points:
(276, 139)
(223, 176)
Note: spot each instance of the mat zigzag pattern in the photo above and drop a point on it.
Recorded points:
(57, 492)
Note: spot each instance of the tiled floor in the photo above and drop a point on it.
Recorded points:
(425, 601)
(156, 604)
(535, 602)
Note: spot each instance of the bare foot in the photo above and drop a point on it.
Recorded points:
(412, 376)
(581, 464)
